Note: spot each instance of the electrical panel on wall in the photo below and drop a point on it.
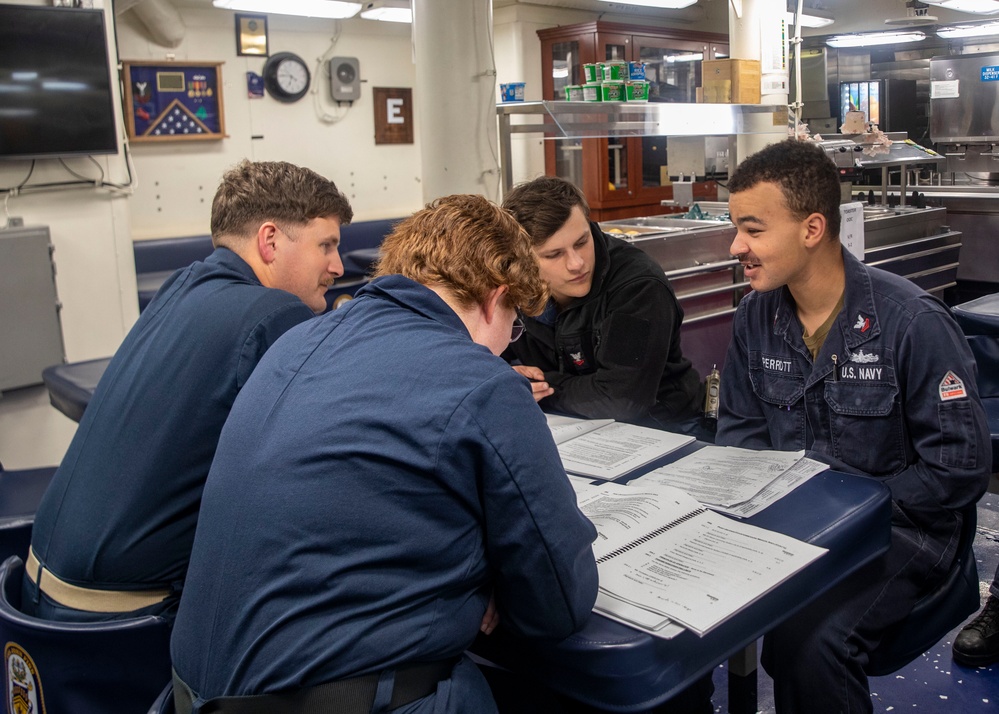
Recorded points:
(345, 79)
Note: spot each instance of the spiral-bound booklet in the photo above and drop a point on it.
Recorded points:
(659, 550)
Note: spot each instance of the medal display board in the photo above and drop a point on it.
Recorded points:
(175, 101)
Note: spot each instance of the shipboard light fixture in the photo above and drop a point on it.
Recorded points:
(983, 29)
(976, 7)
(388, 10)
(665, 4)
(329, 9)
(869, 39)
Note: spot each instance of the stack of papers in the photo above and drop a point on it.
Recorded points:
(607, 449)
(739, 482)
(665, 562)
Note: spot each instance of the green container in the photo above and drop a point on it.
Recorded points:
(612, 91)
(574, 93)
(592, 73)
(615, 71)
(636, 90)
(591, 92)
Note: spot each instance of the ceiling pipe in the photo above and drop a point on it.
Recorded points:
(159, 17)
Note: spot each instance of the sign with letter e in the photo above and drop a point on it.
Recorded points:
(393, 115)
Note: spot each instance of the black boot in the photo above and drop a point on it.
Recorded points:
(977, 645)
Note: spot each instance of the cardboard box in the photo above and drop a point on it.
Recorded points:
(731, 81)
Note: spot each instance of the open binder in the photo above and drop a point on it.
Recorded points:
(662, 557)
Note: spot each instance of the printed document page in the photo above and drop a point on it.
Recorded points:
(776, 489)
(623, 513)
(634, 616)
(724, 475)
(564, 427)
(660, 550)
(617, 448)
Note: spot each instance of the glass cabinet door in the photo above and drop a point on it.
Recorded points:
(613, 47)
(672, 67)
(617, 165)
(567, 68)
(569, 159)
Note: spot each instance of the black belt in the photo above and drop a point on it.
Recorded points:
(344, 696)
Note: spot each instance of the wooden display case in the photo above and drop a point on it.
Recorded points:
(624, 177)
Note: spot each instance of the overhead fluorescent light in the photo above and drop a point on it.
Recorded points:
(810, 17)
(664, 4)
(977, 7)
(388, 10)
(874, 38)
(985, 29)
(331, 9)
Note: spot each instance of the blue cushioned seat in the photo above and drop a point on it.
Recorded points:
(83, 668)
(360, 261)
(979, 319)
(72, 385)
(148, 284)
(365, 234)
(937, 612)
(979, 316)
(20, 493)
(156, 260)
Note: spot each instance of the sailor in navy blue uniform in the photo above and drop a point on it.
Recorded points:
(113, 534)
(382, 476)
(866, 372)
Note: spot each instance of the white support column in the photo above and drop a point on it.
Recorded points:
(456, 97)
(758, 31)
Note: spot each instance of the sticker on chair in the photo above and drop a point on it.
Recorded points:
(24, 687)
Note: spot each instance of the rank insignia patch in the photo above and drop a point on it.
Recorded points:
(24, 688)
(951, 387)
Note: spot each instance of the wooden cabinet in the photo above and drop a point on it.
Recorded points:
(624, 177)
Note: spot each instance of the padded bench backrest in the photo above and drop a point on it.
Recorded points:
(159, 254)
(365, 234)
(168, 254)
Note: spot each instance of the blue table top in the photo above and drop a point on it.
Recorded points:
(615, 667)
(979, 316)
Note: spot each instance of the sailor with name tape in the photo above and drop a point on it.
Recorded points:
(868, 373)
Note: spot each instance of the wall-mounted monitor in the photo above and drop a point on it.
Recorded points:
(56, 94)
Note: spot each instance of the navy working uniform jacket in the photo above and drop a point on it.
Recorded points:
(121, 510)
(892, 393)
(615, 353)
(380, 476)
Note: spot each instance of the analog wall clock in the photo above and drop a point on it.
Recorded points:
(286, 76)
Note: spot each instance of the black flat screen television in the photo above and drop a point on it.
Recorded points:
(56, 94)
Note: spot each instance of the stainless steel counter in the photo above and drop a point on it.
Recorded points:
(916, 243)
(973, 210)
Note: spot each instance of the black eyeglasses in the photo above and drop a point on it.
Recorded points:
(518, 328)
